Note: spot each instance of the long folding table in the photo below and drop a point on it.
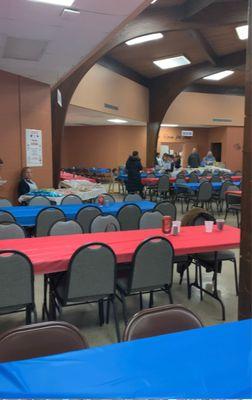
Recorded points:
(212, 362)
(26, 215)
(52, 253)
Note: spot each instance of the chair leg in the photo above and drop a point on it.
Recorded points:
(108, 310)
(101, 312)
(200, 281)
(168, 291)
(236, 277)
(141, 300)
(188, 283)
(151, 302)
(116, 319)
(124, 308)
(44, 308)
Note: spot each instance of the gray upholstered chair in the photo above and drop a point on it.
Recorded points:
(5, 203)
(160, 321)
(6, 216)
(17, 285)
(105, 223)
(128, 217)
(90, 278)
(71, 199)
(86, 215)
(46, 218)
(162, 190)
(39, 340)
(61, 228)
(152, 270)
(203, 196)
(131, 197)
(151, 219)
(167, 208)
(11, 230)
(39, 201)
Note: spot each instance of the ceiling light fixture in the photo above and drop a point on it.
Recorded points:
(169, 125)
(242, 32)
(172, 62)
(70, 11)
(153, 1)
(145, 38)
(64, 3)
(117, 121)
(219, 76)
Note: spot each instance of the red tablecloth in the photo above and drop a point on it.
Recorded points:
(149, 181)
(70, 177)
(236, 178)
(52, 253)
(235, 192)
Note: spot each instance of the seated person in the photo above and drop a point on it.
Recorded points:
(158, 160)
(26, 184)
(209, 159)
(167, 164)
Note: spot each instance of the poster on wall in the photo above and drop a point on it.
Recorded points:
(33, 148)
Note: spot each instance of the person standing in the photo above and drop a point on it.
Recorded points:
(194, 159)
(26, 183)
(134, 168)
(158, 160)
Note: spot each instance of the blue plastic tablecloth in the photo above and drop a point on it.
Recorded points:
(99, 170)
(26, 215)
(195, 185)
(124, 177)
(213, 362)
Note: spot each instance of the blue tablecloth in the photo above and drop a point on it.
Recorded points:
(99, 170)
(213, 362)
(26, 215)
(195, 186)
(124, 177)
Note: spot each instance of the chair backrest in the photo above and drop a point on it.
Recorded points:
(133, 197)
(152, 264)
(91, 272)
(86, 215)
(11, 230)
(201, 218)
(167, 208)
(71, 199)
(104, 223)
(46, 218)
(231, 198)
(159, 321)
(224, 188)
(216, 178)
(5, 203)
(193, 177)
(151, 176)
(16, 280)
(129, 216)
(151, 219)
(205, 191)
(196, 216)
(39, 340)
(237, 173)
(61, 228)
(6, 216)
(107, 198)
(206, 172)
(39, 201)
(163, 183)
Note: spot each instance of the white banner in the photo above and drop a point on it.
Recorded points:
(34, 149)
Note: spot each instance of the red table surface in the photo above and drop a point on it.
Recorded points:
(68, 176)
(236, 178)
(235, 192)
(52, 253)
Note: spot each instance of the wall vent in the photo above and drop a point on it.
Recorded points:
(111, 107)
(222, 120)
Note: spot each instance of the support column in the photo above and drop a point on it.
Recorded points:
(245, 287)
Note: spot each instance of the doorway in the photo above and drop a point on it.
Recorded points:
(216, 149)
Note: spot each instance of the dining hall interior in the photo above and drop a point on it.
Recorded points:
(125, 198)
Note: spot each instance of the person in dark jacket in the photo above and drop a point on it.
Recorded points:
(134, 168)
(26, 183)
(194, 159)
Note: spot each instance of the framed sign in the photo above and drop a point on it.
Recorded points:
(34, 151)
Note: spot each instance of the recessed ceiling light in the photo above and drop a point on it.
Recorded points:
(242, 32)
(64, 3)
(70, 11)
(145, 38)
(172, 62)
(169, 125)
(218, 76)
(153, 1)
(117, 121)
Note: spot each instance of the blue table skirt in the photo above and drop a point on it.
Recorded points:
(213, 362)
(195, 186)
(124, 177)
(26, 215)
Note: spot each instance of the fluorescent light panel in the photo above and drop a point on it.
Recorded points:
(117, 121)
(169, 125)
(64, 3)
(219, 76)
(172, 62)
(145, 38)
(153, 1)
(70, 11)
(242, 32)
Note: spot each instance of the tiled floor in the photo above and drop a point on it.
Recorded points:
(86, 317)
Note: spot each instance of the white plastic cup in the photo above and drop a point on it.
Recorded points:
(209, 226)
(176, 227)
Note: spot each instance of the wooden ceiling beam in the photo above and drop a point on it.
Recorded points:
(205, 45)
(193, 7)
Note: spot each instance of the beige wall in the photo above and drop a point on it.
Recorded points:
(23, 104)
(102, 146)
(100, 85)
(190, 109)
